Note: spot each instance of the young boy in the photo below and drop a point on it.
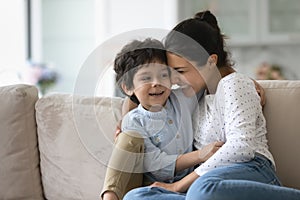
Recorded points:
(156, 135)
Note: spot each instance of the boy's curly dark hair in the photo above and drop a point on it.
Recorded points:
(133, 56)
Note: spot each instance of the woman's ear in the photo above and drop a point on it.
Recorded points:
(126, 90)
(212, 60)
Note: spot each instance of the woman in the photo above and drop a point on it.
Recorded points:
(157, 138)
(121, 177)
(243, 168)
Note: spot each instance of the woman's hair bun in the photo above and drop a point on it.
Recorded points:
(208, 17)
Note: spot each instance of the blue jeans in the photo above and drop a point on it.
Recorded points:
(255, 179)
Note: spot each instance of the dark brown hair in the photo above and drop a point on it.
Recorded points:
(197, 38)
(133, 56)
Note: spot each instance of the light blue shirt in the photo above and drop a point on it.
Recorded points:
(167, 134)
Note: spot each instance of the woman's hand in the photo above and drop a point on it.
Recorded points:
(207, 151)
(118, 130)
(261, 92)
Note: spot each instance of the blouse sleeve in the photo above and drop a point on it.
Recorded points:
(238, 104)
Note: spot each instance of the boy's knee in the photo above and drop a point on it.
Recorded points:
(131, 142)
(128, 153)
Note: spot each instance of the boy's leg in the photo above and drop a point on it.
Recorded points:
(124, 171)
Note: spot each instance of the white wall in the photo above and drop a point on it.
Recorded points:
(12, 40)
(72, 29)
(116, 22)
(67, 38)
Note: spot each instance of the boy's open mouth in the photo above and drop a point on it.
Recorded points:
(156, 93)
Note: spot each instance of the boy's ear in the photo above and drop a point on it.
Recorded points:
(126, 90)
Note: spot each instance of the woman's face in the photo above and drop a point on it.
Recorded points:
(187, 77)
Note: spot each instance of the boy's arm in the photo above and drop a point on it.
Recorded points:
(179, 186)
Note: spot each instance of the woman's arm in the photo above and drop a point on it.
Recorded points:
(195, 157)
(179, 186)
(238, 109)
(259, 89)
(127, 106)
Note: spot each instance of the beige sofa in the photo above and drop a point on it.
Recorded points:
(57, 147)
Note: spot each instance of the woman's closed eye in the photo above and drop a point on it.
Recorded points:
(179, 70)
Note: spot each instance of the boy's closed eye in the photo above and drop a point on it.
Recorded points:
(145, 78)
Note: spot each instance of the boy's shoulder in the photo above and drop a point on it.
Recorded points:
(132, 120)
(178, 99)
(132, 115)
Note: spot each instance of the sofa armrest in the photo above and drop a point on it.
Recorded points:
(19, 156)
(282, 112)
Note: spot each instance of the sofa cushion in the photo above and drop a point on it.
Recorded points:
(282, 112)
(19, 159)
(75, 140)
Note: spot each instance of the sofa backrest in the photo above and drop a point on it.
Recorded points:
(282, 112)
(75, 135)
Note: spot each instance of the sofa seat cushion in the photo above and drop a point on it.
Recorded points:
(75, 139)
(19, 157)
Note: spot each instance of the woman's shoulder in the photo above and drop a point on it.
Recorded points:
(234, 85)
(236, 79)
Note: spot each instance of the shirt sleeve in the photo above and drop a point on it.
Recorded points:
(238, 103)
(160, 164)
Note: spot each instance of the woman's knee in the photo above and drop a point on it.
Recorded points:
(204, 188)
(136, 193)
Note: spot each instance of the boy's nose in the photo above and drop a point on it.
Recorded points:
(175, 78)
(156, 82)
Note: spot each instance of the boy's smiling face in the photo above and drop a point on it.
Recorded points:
(152, 85)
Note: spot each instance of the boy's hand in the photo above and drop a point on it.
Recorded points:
(207, 151)
(179, 186)
(167, 186)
